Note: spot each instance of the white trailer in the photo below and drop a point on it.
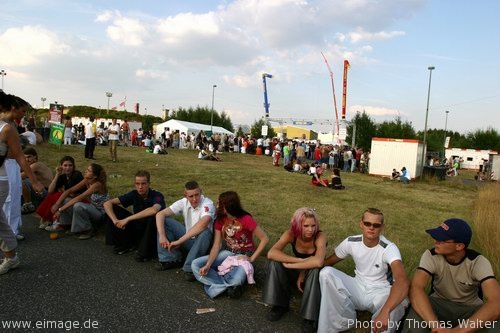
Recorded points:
(494, 168)
(470, 159)
(387, 154)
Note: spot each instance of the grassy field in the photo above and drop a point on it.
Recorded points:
(272, 195)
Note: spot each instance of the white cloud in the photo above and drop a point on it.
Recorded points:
(127, 31)
(150, 74)
(106, 16)
(238, 116)
(374, 110)
(29, 45)
(361, 35)
(241, 81)
(175, 29)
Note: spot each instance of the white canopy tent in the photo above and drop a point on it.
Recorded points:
(187, 127)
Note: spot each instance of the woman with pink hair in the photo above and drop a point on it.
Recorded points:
(308, 245)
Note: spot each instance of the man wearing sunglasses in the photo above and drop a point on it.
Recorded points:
(458, 275)
(380, 285)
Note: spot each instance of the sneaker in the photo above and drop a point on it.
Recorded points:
(43, 225)
(235, 292)
(189, 276)
(27, 208)
(53, 227)
(164, 265)
(8, 264)
(308, 326)
(277, 312)
(20, 237)
(69, 232)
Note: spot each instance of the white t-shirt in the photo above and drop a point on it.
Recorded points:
(193, 215)
(372, 263)
(113, 128)
(30, 136)
(89, 130)
(157, 149)
(146, 142)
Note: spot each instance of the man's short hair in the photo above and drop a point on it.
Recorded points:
(30, 151)
(374, 211)
(191, 185)
(143, 173)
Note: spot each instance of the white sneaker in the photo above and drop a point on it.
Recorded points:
(9, 264)
(44, 225)
(53, 227)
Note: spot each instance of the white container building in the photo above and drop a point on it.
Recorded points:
(387, 154)
(470, 159)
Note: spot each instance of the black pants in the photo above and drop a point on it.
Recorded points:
(141, 233)
(278, 289)
(89, 147)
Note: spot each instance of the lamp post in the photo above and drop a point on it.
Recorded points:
(430, 68)
(43, 101)
(445, 128)
(109, 95)
(212, 111)
(3, 73)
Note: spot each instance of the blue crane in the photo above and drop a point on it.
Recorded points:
(266, 102)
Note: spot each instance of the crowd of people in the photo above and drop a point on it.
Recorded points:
(218, 243)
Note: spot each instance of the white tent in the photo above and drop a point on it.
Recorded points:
(187, 127)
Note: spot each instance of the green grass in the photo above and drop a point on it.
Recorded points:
(272, 195)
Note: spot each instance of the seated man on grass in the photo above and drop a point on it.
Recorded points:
(194, 236)
(459, 277)
(128, 231)
(380, 285)
(42, 173)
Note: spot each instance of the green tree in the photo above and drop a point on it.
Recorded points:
(240, 131)
(396, 129)
(203, 115)
(365, 130)
(256, 129)
(484, 139)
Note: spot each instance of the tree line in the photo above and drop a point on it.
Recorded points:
(367, 128)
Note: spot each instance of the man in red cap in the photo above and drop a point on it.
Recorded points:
(459, 275)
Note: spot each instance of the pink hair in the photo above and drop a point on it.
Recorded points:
(299, 216)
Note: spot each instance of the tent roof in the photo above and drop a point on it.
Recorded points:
(190, 127)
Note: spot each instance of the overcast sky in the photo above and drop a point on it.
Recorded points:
(170, 53)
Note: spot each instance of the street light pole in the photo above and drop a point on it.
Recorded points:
(212, 111)
(3, 73)
(109, 95)
(445, 128)
(430, 68)
(43, 101)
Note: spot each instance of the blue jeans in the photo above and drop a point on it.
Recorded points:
(216, 284)
(196, 247)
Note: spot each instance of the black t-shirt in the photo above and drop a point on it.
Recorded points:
(64, 182)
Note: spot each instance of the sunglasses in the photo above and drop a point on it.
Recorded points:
(374, 225)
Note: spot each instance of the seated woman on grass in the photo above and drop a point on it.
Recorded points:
(233, 250)
(86, 208)
(336, 180)
(66, 177)
(308, 245)
(316, 172)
